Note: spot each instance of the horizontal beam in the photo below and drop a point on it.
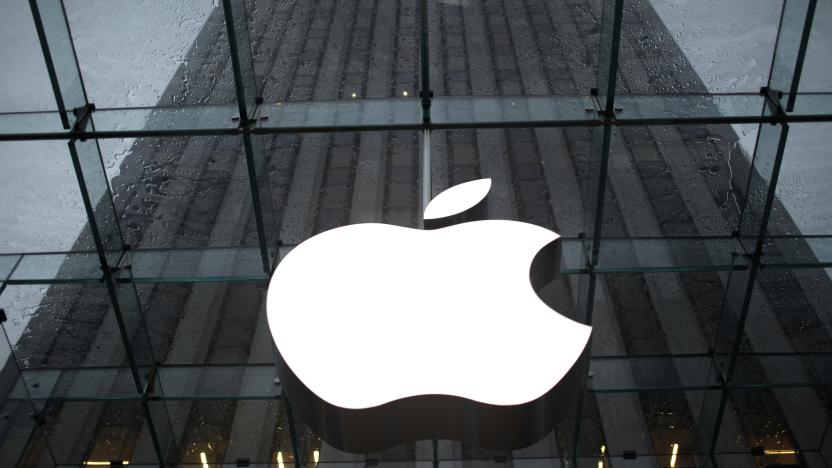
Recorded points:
(608, 374)
(243, 264)
(230, 264)
(447, 112)
(235, 264)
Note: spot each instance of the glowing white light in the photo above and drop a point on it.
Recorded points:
(401, 312)
(316, 455)
(204, 459)
(457, 198)
(280, 460)
(404, 93)
(673, 455)
(354, 95)
(103, 463)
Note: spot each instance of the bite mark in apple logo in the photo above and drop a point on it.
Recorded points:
(387, 334)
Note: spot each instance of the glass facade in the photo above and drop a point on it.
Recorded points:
(158, 159)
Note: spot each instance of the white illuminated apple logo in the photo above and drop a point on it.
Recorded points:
(387, 334)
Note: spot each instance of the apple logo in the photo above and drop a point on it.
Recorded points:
(387, 334)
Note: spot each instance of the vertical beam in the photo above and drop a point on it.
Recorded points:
(62, 63)
(609, 43)
(293, 432)
(790, 50)
(784, 80)
(59, 55)
(426, 94)
(127, 310)
(424, 47)
(242, 62)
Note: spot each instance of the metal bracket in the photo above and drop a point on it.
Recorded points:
(82, 116)
(773, 101)
(151, 380)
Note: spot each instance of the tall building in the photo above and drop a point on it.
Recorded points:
(159, 159)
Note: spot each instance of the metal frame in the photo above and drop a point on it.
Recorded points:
(119, 268)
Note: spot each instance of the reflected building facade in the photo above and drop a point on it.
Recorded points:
(159, 161)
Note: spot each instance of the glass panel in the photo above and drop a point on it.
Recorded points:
(78, 384)
(669, 286)
(718, 107)
(610, 375)
(815, 76)
(183, 192)
(181, 49)
(40, 203)
(337, 50)
(30, 124)
(765, 419)
(609, 26)
(80, 431)
(805, 180)
(225, 431)
(674, 181)
(645, 424)
(537, 174)
(417, 454)
(7, 266)
(235, 382)
(205, 323)
(23, 80)
(86, 157)
(62, 54)
(789, 312)
(237, 24)
(655, 314)
(512, 48)
(357, 113)
(257, 163)
(759, 192)
(19, 431)
(595, 189)
(787, 53)
(196, 265)
(329, 180)
(57, 268)
(511, 111)
(133, 330)
(784, 370)
(62, 326)
(164, 120)
(668, 254)
(799, 251)
(812, 105)
(695, 47)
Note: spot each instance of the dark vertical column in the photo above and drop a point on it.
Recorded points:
(596, 184)
(248, 100)
(426, 94)
(59, 54)
(53, 33)
(784, 77)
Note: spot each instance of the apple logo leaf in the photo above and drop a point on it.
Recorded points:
(459, 204)
(386, 334)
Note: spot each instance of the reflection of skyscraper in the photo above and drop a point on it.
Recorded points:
(674, 195)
